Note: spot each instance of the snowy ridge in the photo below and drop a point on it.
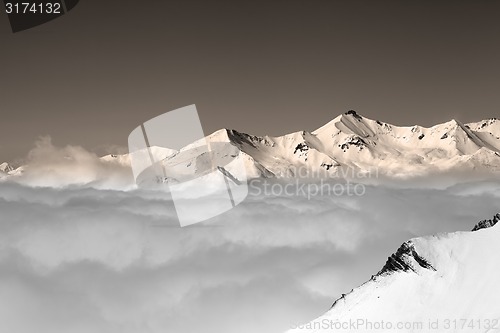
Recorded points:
(349, 142)
(405, 259)
(354, 142)
(435, 279)
(487, 223)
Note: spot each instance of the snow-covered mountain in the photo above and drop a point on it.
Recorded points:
(349, 146)
(8, 170)
(5, 167)
(442, 283)
(354, 146)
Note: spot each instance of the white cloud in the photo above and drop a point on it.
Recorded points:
(81, 259)
(47, 165)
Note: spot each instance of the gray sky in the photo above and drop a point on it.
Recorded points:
(262, 67)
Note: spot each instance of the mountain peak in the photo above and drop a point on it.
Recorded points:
(6, 167)
(405, 259)
(485, 125)
(354, 114)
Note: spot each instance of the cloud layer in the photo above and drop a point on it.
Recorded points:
(50, 166)
(81, 259)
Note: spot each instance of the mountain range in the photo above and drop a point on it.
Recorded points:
(350, 145)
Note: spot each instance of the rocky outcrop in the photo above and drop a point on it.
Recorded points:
(487, 223)
(405, 259)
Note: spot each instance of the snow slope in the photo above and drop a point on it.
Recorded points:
(442, 283)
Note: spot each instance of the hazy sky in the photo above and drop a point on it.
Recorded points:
(263, 67)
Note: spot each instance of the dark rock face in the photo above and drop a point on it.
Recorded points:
(354, 114)
(354, 141)
(326, 166)
(402, 260)
(252, 140)
(488, 122)
(301, 147)
(241, 138)
(487, 223)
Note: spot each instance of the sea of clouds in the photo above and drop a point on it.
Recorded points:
(81, 250)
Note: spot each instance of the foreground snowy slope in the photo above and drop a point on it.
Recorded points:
(443, 283)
